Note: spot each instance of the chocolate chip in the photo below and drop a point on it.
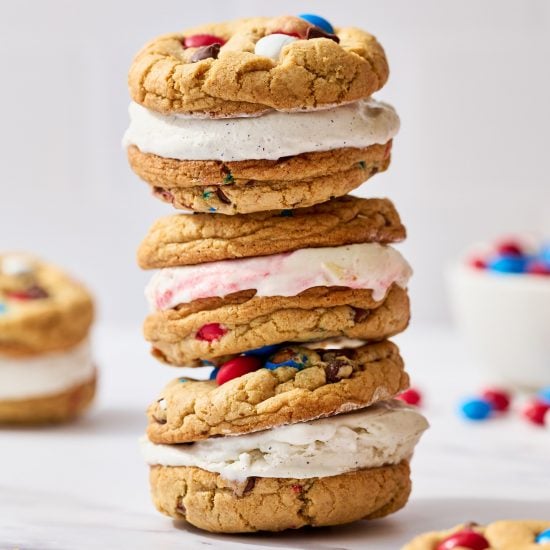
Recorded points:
(159, 420)
(249, 485)
(206, 52)
(317, 32)
(222, 196)
(164, 194)
(338, 368)
(361, 315)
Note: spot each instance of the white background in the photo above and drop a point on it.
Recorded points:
(470, 79)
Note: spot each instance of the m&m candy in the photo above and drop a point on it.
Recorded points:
(498, 399)
(543, 537)
(239, 366)
(535, 412)
(411, 397)
(210, 332)
(199, 40)
(318, 21)
(544, 395)
(510, 248)
(272, 44)
(466, 538)
(476, 409)
(508, 264)
(263, 351)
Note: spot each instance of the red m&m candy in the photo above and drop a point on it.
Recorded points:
(210, 332)
(499, 399)
(535, 412)
(236, 367)
(510, 248)
(198, 40)
(411, 397)
(32, 293)
(464, 539)
(538, 268)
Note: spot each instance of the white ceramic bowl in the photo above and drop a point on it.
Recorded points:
(505, 319)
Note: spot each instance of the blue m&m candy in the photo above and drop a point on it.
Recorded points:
(318, 21)
(213, 374)
(544, 537)
(476, 409)
(544, 395)
(508, 264)
(265, 350)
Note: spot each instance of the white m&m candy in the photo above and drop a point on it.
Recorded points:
(272, 44)
(15, 265)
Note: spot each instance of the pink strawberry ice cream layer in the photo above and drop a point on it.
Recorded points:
(370, 266)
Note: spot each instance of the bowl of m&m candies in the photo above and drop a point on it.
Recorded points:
(500, 296)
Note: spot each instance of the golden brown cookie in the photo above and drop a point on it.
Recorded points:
(500, 535)
(312, 72)
(49, 409)
(184, 239)
(208, 501)
(258, 185)
(326, 382)
(245, 322)
(41, 308)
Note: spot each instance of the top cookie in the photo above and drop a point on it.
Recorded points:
(184, 239)
(251, 65)
(41, 308)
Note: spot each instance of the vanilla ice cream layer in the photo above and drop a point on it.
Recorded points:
(379, 435)
(369, 266)
(45, 374)
(269, 136)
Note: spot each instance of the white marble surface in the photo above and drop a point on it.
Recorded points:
(84, 485)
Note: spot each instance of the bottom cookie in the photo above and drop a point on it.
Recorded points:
(48, 409)
(499, 535)
(210, 502)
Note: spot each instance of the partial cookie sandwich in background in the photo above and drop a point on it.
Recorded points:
(47, 373)
(301, 281)
(316, 133)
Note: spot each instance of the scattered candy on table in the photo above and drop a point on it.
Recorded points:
(498, 399)
(467, 538)
(476, 409)
(513, 257)
(536, 412)
(544, 395)
(411, 396)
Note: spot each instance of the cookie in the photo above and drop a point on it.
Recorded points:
(213, 328)
(47, 409)
(41, 308)
(184, 239)
(207, 501)
(234, 197)
(499, 535)
(236, 75)
(320, 383)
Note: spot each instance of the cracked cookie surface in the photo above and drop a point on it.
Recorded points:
(48, 409)
(194, 410)
(256, 186)
(209, 502)
(41, 308)
(250, 322)
(308, 74)
(501, 535)
(184, 239)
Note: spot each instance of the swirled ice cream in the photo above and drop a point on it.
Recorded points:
(369, 266)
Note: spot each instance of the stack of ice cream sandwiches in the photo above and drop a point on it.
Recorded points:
(280, 285)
